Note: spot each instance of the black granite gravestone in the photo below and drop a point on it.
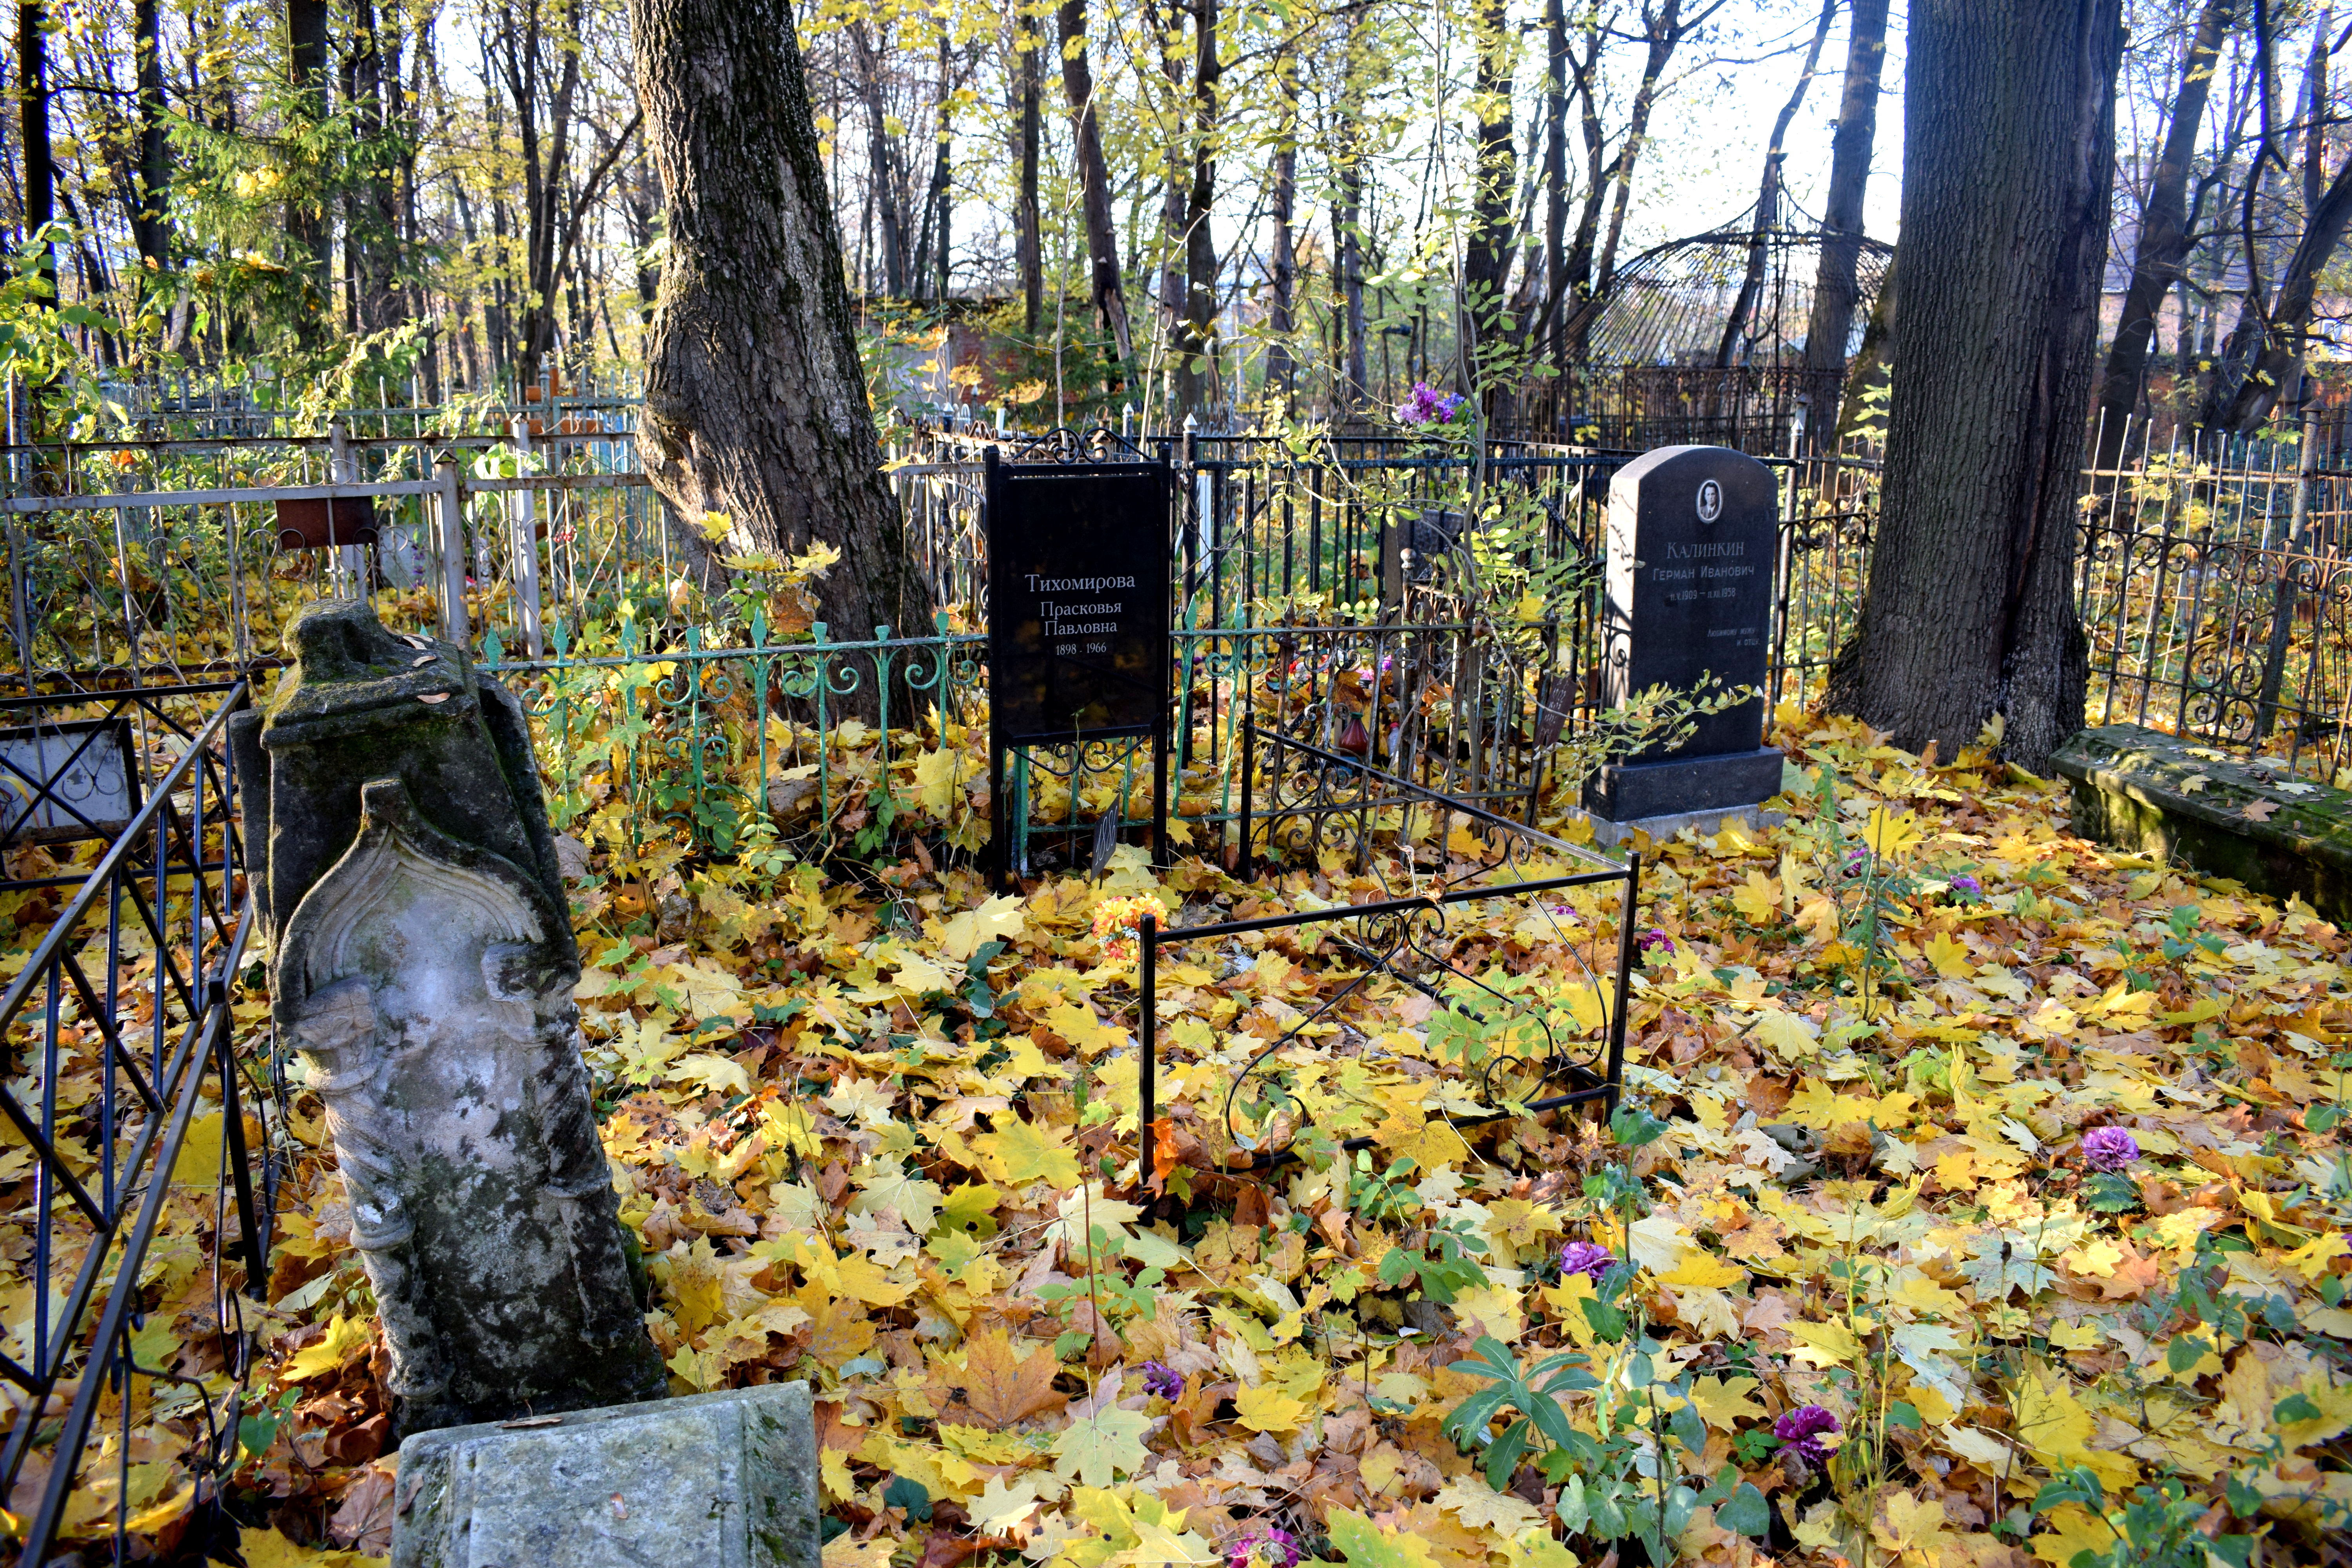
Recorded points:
(1692, 533)
(1077, 609)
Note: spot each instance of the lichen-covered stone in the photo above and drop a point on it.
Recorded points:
(726, 1480)
(2152, 793)
(424, 969)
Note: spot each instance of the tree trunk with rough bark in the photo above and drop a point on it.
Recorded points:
(149, 217)
(1547, 337)
(1282, 264)
(1197, 350)
(1028, 244)
(1094, 178)
(2163, 237)
(306, 217)
(1486, 261)
(755, 403)
(1834, 287)
(2009, 130)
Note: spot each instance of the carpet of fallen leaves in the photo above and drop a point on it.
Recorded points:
(879, 1133)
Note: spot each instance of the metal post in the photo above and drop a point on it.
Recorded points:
(1146, 981)
(256, 1245)
(2286, 588)
(452, 517)
(524, 544)
(18, 621)
(1245, 863)
(1623, 1001)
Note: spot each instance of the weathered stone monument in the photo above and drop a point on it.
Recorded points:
(424, 967)
(1692, 533)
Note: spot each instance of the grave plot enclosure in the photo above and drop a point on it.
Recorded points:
(1533, 1043)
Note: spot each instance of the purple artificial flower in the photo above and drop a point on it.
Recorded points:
(1801, 1430)
(1586, 1259)
(1163, 1380)
(1655, 941)
(2109, 1148)
(1427, 406)
(1968, 887)
(1268, 1546)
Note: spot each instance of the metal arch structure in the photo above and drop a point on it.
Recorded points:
(1672, 306)
(1703, 338)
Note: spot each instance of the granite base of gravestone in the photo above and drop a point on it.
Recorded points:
(718, 1480)
(1692, 536)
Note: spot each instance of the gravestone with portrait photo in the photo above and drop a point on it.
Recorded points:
(1692, 533)
(1077, 614)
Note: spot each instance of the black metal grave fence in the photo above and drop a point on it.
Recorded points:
(1319, 804)
(121, 1061)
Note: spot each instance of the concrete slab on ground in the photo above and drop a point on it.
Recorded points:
(2174, 800)
(727, 1480)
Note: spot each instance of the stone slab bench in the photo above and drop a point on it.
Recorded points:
(2174, 800)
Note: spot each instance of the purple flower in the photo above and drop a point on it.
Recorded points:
(2109, 1148)
(1968, 887)
(1268, 1546)
(1427, 406)
(1586, 1259)
(1161, 1379)
(1655, 941)
(1801, 1430)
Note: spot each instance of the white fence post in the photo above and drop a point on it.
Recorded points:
(343, 469)
(452, 518)
(524, 544)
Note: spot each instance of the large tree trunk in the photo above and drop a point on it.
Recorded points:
(306, 218)
(1348, 222)
(374, 236)
(755, 403)
(149, 225)
(1548, 336)
(2009, 131)
(931, 240)
(1486, 261)
(882, 179)
(2163, 237)
(32, 121)
(1282, 262)
(1029, 245)
(1834, 286)
(1347, 154)
(1197, 350)
(1094, 177)
(1576, 306)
